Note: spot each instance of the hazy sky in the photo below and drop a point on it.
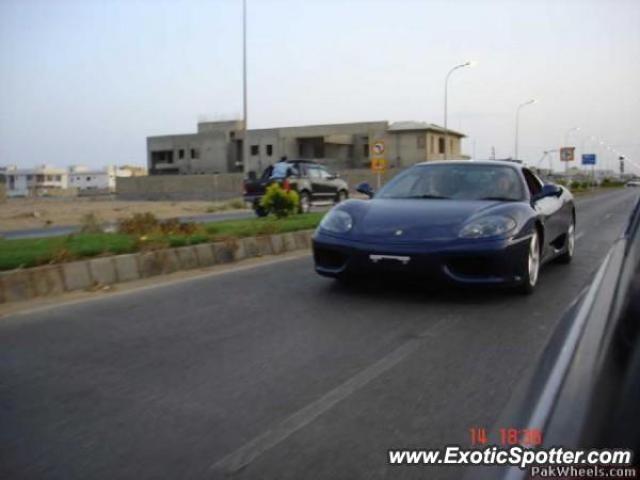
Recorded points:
(86, 81)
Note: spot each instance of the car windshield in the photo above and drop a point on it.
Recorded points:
(456, 181)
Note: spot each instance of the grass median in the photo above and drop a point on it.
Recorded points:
(31, 252)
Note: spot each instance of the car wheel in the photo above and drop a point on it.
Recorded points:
(260, 211)
(342, 196)
(569, 245)
(531, 265)
(305, 202)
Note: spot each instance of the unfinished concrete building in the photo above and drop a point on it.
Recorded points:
(217, 147)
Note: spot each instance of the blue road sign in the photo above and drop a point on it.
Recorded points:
(588, 159)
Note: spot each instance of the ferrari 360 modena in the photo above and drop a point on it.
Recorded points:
(465, 222)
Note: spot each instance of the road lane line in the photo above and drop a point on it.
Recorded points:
(579, 235)
(244, 455)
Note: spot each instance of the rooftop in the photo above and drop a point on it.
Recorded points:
(417, 126)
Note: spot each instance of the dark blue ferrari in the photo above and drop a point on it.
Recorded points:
(466, 222)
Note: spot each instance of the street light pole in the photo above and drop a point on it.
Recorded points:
(529, 102)
(446, 94)
(245, 138)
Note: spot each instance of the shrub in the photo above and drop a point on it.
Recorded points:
(139, 224)
(89, 223)
(279, 201)
(148, 224)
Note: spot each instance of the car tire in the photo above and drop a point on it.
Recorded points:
(305, 202)
(569, 245)
(531, 265)
(260, 211)
(341, 196)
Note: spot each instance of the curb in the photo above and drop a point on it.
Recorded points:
(49, 280)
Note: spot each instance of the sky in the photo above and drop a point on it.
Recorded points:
(86, 81)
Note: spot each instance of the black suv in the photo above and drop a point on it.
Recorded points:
(313, 182)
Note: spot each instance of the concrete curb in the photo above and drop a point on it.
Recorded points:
(25, 284)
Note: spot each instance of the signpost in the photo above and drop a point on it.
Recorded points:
(378, 162)
(567, 154)
(590, 159)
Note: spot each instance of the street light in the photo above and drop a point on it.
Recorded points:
(446, 88)
(245, 137)
(529, 102)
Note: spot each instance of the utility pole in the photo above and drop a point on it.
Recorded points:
(245, 119)
(529, 102)
(446, 94)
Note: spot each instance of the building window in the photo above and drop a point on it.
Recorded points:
(58, 178)
(181, 153)
(29, 178)
(49, 178)
(269, 150)
(440, 144)
(365, 150)
(194, 153)
(421, 141)
(88, 179)
(451, 144)
(255, 149)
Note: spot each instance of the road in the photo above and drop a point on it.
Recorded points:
(273, 372)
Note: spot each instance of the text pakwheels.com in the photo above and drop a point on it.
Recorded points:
(516, 456)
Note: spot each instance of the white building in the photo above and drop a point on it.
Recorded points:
(85, 179)
(46, 180)
(39, 181)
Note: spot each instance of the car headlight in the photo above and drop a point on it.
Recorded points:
(337, 221)
(491, 226)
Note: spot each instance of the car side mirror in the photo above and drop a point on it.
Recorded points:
(365, 189)
(549, 190)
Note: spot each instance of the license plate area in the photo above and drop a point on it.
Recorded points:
(389, 259)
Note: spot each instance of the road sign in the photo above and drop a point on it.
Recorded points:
(378, 164)
(566, 154)
(378, 148)
(588, 159)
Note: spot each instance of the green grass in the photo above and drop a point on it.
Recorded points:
(262, 226)
(30, 252)
(23, 253)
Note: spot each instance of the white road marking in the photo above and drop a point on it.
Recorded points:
(579, 235)
(244, 455)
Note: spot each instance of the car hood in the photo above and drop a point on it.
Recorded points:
(405, 220)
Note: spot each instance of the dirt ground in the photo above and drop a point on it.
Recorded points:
(25, 213)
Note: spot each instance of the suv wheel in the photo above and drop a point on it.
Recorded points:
(259, 210)
(305, 202)
(342, 196)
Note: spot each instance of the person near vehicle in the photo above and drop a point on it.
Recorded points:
(281, 169)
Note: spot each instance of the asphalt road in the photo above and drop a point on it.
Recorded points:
(273, 372)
